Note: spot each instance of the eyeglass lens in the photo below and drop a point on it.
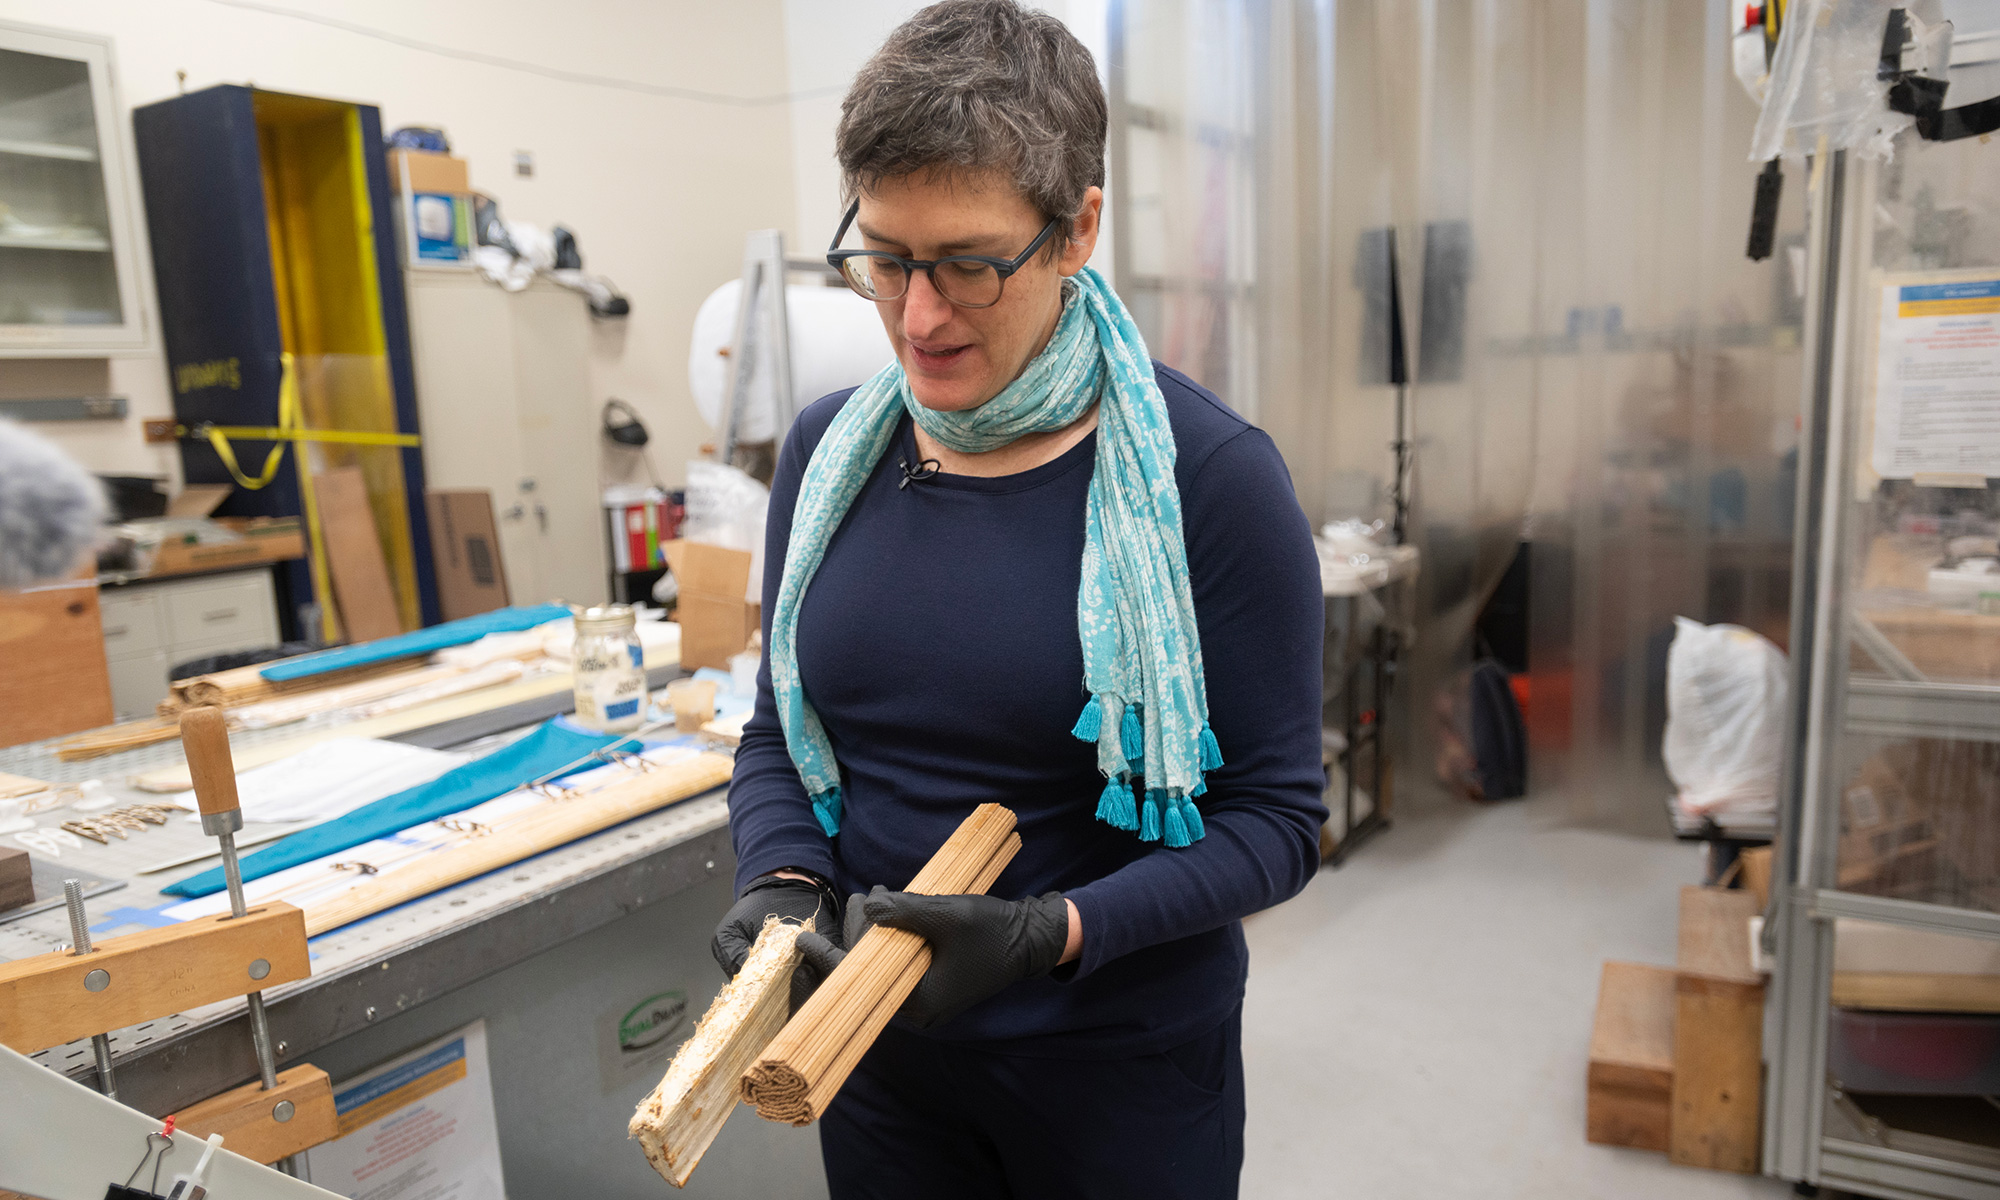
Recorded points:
(972, 284)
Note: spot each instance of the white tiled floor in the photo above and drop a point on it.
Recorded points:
(1418, 1020)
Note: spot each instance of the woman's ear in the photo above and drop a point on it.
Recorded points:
(1083, 237)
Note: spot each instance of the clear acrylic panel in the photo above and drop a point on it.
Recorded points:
(56, 265)
(1917, 762)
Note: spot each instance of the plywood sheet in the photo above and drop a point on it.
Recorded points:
(53, 677)
(361, 586)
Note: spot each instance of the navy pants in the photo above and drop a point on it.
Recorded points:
(921, 1119)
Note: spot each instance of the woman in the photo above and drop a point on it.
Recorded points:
(1025, 564)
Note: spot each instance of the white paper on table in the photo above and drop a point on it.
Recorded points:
(418, 1127)
(1937, 379)
(333, 778)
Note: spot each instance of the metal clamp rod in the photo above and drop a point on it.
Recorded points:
(79, 937)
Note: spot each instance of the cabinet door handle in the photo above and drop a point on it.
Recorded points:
(218, 614)
(113, 631)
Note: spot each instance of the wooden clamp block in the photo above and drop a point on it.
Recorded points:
(55, 998)
(248, 1117)
(1718, 1034)
(17, 879)
(1630, 1085)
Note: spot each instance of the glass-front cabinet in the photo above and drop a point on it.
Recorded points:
(68, 261)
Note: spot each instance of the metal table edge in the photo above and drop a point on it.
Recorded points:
(215, 1055)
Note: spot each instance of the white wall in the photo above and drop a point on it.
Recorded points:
(658, 189)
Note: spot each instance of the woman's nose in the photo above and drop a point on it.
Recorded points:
(924, 310)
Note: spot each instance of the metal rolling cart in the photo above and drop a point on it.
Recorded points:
(1367, 616)
(1892, 805)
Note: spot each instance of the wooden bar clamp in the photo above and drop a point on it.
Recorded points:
(267, 1125)
(54, 998)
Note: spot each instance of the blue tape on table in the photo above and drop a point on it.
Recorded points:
(423, 641)
(554, 746)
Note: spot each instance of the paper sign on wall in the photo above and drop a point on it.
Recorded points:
(419, 1127)
(1937, 379)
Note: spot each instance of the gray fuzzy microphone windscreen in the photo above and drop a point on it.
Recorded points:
(51, 509)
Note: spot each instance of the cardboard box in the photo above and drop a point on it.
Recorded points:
(465, 548)
(422, 171)
(716, 621)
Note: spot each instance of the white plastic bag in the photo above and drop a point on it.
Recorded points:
(1727, 691)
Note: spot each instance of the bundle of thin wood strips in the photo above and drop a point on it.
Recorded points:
(804, 1067)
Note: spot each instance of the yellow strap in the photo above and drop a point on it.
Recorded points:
(288, 429)
(351, 437)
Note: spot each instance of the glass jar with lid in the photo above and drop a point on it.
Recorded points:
(610, 669)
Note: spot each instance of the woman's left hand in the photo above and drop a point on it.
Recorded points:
(979, 944)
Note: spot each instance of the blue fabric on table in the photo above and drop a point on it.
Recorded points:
(554, 746)
(423, 641)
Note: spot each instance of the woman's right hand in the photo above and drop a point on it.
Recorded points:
(789, 896)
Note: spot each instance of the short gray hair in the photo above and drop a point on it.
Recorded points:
(975, 85)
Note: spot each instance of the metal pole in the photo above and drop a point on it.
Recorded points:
(79, 937)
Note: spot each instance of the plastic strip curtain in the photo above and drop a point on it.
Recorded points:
(1595, 367)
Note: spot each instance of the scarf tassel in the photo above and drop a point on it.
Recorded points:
(1192, 816)
(827, 807)
(1089, 723)
(1211, 751)
(1149, 816)
(1115, 807)
(1132, 739)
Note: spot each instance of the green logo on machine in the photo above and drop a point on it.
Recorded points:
(652, 1021)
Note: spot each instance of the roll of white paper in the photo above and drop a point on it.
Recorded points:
(837, 342)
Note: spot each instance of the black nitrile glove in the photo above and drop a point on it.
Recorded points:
(772, 895)
(820, 953)
(979, 944)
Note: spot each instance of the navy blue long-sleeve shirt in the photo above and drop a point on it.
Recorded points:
(938, 643)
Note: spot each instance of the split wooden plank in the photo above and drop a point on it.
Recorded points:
(1718, 1034)
(1917, 991)
(126, 735)
(559, 823)
(1631, 1075)
(246, 685)
(20, 785)
(246, 1116)
(366, 598)
(49, 999)
(806, 1064)
(677, 1123)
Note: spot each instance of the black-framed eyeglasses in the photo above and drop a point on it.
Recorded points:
(966, 280)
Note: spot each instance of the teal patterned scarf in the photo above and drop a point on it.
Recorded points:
(1148, 706)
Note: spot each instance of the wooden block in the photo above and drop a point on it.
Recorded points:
(1630, 1082)
(1757, 874)
(1715, 933)
(17, 879)
(361, 586)
(245, 1116)
(46, 1000)
(1718, 1035)
(53, 673)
